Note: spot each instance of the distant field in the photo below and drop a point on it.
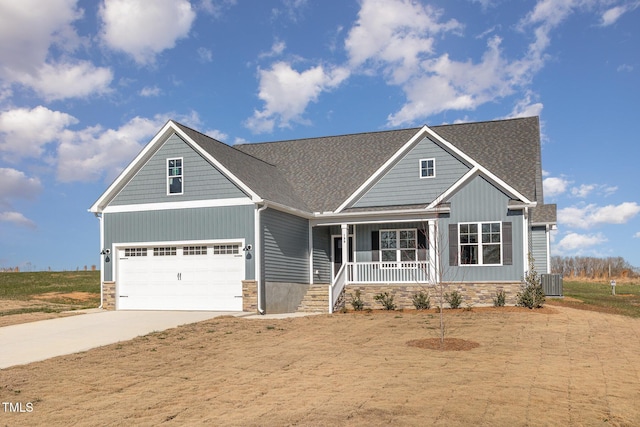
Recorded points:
(27, 296)
(597, 296)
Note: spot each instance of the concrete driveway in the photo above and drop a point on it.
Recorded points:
(31, 342)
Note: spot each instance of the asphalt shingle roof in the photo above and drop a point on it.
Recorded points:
(319, 174)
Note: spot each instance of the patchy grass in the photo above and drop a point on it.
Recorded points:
(596, 296)
(48, 292)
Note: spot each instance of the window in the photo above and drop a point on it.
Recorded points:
(166, 251)
(131, 252)
(226, 249)
(397, 245)
(480, 243)
(427, 168)
(194, 250)
(174, 176)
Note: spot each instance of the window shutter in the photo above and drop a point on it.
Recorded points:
(507, 244)
(453, 244)
(375, 246)
(422, 244)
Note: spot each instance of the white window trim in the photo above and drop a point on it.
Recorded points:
(398, 261)
(480, 244)
(166, 171)
(420, 168)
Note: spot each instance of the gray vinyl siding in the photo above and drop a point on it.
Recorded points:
(539, 249)
(321, 255)
(201, 180)
(235, 222)
(402, 185)
(286, 247)
(479, 201)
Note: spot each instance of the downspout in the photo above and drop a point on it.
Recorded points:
(258, 260)
(525, 240)
(99, 216)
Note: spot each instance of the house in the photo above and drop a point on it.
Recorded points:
(195, 224)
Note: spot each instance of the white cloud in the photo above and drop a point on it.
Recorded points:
(205, 55)
(150, 91)
(287, 92)
(276, 50)
(591, 215)
(395, 35)
(67, 80)
(216, 134)
(16, 185)
(29, 28)
(585, 190)
(611, 15)
(16, 218)
(93, 152)
(554, 186)
(143, 29)
(637, 235)
(216, 8)
(24, 132)
(575, 241)
(526, 108)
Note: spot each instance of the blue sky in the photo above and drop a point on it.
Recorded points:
(84, 85)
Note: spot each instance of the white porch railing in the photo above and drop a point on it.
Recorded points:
(377, 272)
(389, 272)
(336, 288)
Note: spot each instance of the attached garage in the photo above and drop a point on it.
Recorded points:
(190, 276)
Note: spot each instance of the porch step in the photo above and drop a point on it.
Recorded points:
(316, 300)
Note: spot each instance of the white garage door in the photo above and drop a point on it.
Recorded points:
(182, 277)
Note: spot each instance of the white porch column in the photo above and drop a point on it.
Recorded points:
(433, 255)
(344, 228)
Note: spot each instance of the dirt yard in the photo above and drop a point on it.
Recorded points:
(46, 306)
(556, 366)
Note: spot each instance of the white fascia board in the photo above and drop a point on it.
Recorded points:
(133, 167)
(210, 203)
(378, 217)
(426, 131)
(383, 169)
(218, 165)
(130, 170)
(286, 209)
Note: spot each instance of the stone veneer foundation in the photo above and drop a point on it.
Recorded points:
(108, 295)
(473, 294)
(249, 295)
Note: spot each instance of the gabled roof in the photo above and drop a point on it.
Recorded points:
(320, 174)
(326, 171)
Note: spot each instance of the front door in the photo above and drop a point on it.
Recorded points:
(337, 253)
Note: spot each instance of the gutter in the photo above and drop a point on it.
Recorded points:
(258, 253)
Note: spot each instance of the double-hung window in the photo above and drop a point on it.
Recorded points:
(480, 243)
(398, 245)
(174, 176)
(427, 168)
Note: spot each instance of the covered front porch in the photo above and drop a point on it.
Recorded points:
(397, 252)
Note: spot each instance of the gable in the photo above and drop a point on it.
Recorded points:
(403, 185)
(201, 180)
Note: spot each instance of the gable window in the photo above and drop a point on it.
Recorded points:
(427, 168)
(398, 245)
(174, 176)
(480, 243)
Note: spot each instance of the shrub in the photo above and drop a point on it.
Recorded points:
(421, 301)
(531, 294)
(356, 302)
(500, 299)
(454, 299)
(386, 300)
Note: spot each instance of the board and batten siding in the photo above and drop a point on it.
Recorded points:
(201, 180)
(218, 223)
(480, 201)
(285, 247)
(539, 249)
(321, 255)
(402, 185)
